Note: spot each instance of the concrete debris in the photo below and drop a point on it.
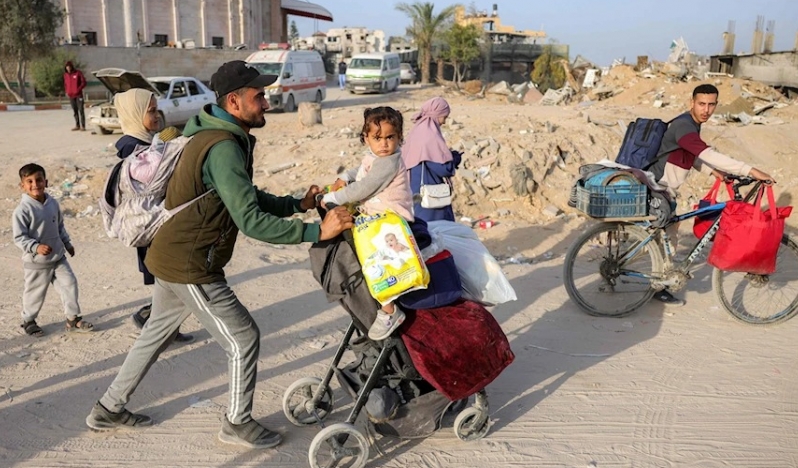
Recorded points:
(554, 97)
(532, 96)
(281, 168)
(501, 88)
(551, 211)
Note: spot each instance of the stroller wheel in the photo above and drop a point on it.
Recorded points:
(299, 405)
(339, 445)
(471, 424)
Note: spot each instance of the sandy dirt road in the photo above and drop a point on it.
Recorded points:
(685, 387)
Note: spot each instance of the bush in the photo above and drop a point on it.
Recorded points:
(48, 71)
(548, 71)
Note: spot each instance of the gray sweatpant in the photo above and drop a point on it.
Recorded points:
(226, 319)
(37, 281)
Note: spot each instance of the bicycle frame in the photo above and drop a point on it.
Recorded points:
(685, 264)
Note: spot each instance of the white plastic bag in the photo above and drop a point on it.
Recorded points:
(481, 275)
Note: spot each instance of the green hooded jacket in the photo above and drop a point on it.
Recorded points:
(194, 246)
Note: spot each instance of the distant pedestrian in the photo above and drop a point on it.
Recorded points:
(342, 74)
(74, 82)
(38, 228)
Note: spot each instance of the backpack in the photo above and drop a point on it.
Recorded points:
(641, 144)
(133, 210)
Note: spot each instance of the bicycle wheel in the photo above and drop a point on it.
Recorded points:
(761, 299)
(595, 278)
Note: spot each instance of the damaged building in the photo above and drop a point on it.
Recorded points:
(509, 53)
(778, 69)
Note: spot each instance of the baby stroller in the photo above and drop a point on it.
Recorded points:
(405, 404)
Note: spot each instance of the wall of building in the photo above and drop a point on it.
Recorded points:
(776, 69)
(198, 20)
(153, 61)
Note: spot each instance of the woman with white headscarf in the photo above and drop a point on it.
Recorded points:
(427, 156)
(138, 115)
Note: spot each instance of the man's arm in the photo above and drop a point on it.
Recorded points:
(278, 206)
(710, 159)
(225, 170)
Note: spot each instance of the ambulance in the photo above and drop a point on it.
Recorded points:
(300, 76)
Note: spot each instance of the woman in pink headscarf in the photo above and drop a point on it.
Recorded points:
(427, 156)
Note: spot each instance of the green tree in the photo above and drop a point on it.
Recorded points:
(48, 71)
(548, 72)
(462, 47)
(426, 26)
(27, 31)
(293, 33)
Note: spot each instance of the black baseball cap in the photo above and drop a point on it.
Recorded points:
(236, 75)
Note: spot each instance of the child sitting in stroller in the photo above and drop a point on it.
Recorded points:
(380, 183)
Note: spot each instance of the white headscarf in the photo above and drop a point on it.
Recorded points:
(131, 107)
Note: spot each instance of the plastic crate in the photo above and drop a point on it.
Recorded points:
(612, 201)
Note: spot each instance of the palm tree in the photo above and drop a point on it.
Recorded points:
(426, 26)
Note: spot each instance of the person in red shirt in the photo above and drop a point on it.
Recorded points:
(684, 149)
(74, 82)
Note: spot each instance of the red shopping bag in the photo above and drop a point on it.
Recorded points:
(704, 222)
(748, 239)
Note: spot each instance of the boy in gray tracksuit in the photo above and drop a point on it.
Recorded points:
(38, 228)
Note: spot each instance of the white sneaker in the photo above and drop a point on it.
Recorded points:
(385, 324)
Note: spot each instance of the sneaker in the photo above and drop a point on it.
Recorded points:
(250, 434)
(385, 324)
(75, 129)
(183, 338)
(140, 317)
(667, 298)
(100, 419)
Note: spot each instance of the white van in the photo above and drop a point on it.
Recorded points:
(300, 76)
(373, 72)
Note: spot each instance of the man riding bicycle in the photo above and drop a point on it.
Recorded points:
(682, 149)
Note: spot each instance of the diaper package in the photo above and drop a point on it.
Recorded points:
(390, 258)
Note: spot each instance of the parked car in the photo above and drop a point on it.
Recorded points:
(179, 97)
(407, 74)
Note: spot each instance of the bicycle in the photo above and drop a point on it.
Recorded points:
(628, 260)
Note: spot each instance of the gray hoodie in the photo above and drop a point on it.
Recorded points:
(37, 223)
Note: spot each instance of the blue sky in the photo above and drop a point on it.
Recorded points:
(600, 30)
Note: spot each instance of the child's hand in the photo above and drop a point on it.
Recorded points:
(71, 251)
(339, 184)
(43, 249)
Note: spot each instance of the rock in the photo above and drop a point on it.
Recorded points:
(501, 88)
(744, 118)
(519, 174)
(551, 211)
(532, 96)
(467, 174)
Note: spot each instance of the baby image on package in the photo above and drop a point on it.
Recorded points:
(388, 253)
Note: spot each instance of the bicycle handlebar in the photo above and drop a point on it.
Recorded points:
(742, 181)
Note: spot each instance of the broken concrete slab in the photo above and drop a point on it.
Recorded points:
(554, 97)
(532, 96)
(735, 107)
(501, 88)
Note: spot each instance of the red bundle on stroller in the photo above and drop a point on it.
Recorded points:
(439, 358)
